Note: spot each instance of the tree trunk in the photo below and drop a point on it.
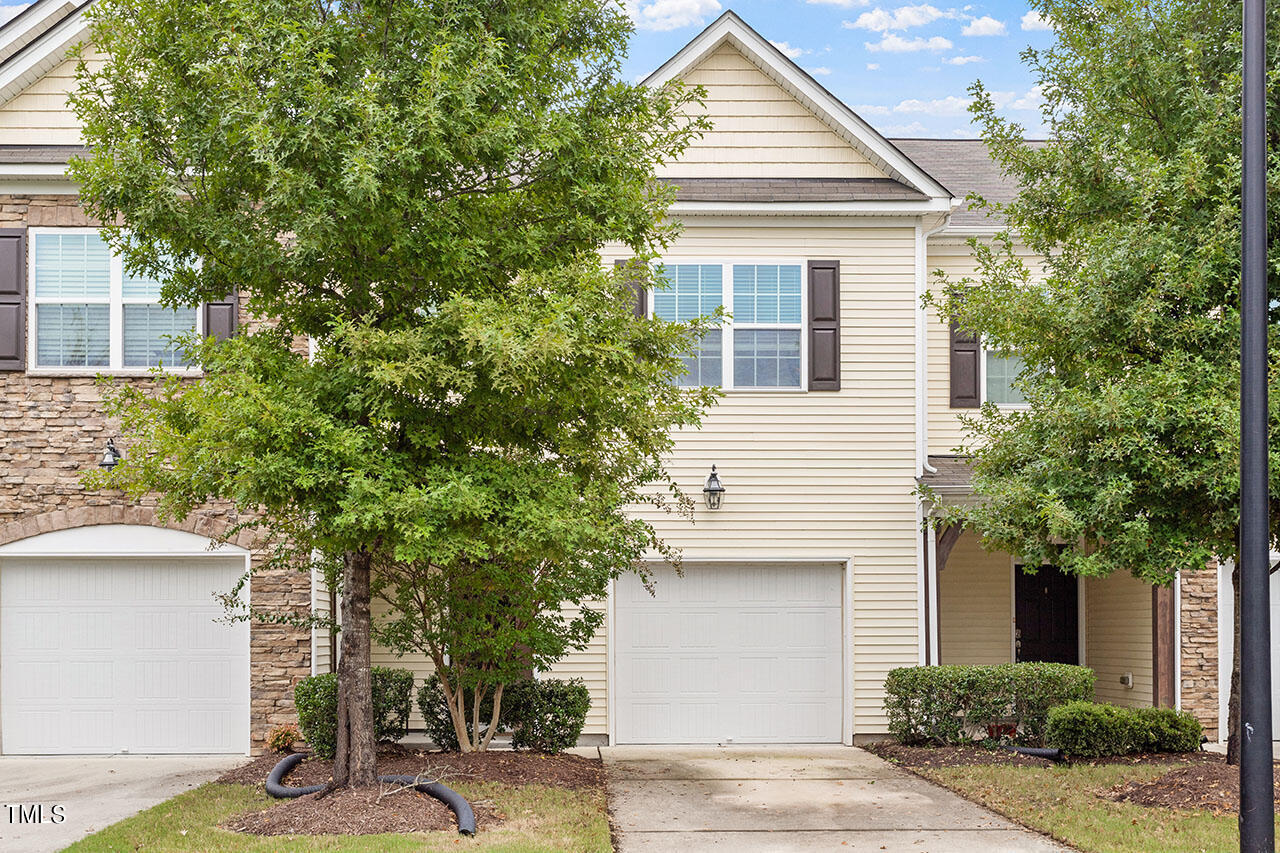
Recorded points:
(1233, 702)
(355, 762)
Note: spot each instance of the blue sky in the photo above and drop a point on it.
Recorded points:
(905, 68)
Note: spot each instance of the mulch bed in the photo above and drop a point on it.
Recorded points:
(353, 812)
(505, 766)
(393, 808)
(951, 756)
(1206, 785)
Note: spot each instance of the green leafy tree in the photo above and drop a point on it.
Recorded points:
(420, 189)
(1128, 457)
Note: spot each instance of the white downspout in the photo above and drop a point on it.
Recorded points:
(925, 555)
(922, 348)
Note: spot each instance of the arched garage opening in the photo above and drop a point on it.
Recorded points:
(112, 641)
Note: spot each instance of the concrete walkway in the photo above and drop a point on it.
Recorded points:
(793, 798)
(93, 792)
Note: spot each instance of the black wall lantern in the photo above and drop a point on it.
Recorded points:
(110, 456)
(713, 491)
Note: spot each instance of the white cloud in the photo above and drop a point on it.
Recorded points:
(964, 133)
(872, 110)
(901, 18)
(843, 4)
(897, 44)
(948, 106)
(1030, 101)
(788, 50)
(963, 60)
(913, 129)
(664, 15)
(1034, 21)
(7, 12)
(984, 26)
(873, 66)
(821, 70)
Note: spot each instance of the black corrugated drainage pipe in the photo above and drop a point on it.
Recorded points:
(451, 798)
(1035, 751)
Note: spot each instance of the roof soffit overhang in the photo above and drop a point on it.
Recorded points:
(830, 110)
(43, 53)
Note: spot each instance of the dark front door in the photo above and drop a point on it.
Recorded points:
(1046, 610)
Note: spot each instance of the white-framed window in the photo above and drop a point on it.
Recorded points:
(762, 344)
(998, 373)
(87, 314)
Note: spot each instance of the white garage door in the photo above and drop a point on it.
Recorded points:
(121, 655)
(739, 653)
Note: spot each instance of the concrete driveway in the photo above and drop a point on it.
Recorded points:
(93, 792)
(793, 798)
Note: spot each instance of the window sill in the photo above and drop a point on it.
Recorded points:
(124, 372)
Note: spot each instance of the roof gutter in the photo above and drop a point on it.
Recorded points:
(811, 208)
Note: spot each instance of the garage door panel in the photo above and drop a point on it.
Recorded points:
(774, 671)
(136, 663)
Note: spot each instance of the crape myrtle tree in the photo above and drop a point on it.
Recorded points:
(1128, 457)
(421, 190)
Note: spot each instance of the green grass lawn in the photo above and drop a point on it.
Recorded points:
(538, 818)
(1062, 801)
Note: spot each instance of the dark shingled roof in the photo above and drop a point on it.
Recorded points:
(962, 166)
(951, 471)
(40, 153)
(793, 189)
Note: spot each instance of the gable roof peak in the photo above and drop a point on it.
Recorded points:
(773, 63)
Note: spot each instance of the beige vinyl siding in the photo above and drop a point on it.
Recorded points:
(1118, 637)
(953, 256)
(418, 664)
(821, 475)
(321, 660)
(591, 665)
(975, 605)
(40, 115)
(760, 130)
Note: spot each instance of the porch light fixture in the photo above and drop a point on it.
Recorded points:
(110, 456)
(713, 491)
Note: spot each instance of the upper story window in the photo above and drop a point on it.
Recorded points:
(1000, 372)
(88, 313)
(762, 344)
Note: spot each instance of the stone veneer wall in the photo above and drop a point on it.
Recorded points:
(1199, 646)
(54, 429)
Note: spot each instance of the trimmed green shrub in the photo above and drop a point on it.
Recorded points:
(959, 704)
(1091, 730)
(546, 716)
(392, 701)
(435, 714)
(316, 698)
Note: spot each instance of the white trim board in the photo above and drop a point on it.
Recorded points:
(40, 56)
(119, 540)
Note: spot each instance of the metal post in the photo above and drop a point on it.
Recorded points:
(1257, 806)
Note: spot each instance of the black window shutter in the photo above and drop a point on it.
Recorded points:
(965, 352)
(13, 298)
(220, 318)
(641, 306)
(824, 325)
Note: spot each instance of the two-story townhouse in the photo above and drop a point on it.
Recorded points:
(810, 581)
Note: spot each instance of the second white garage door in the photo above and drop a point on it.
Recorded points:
(730, 653)
(102, 655)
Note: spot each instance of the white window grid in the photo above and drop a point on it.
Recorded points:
(982, 381)
(116, 300)
(729, 324)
